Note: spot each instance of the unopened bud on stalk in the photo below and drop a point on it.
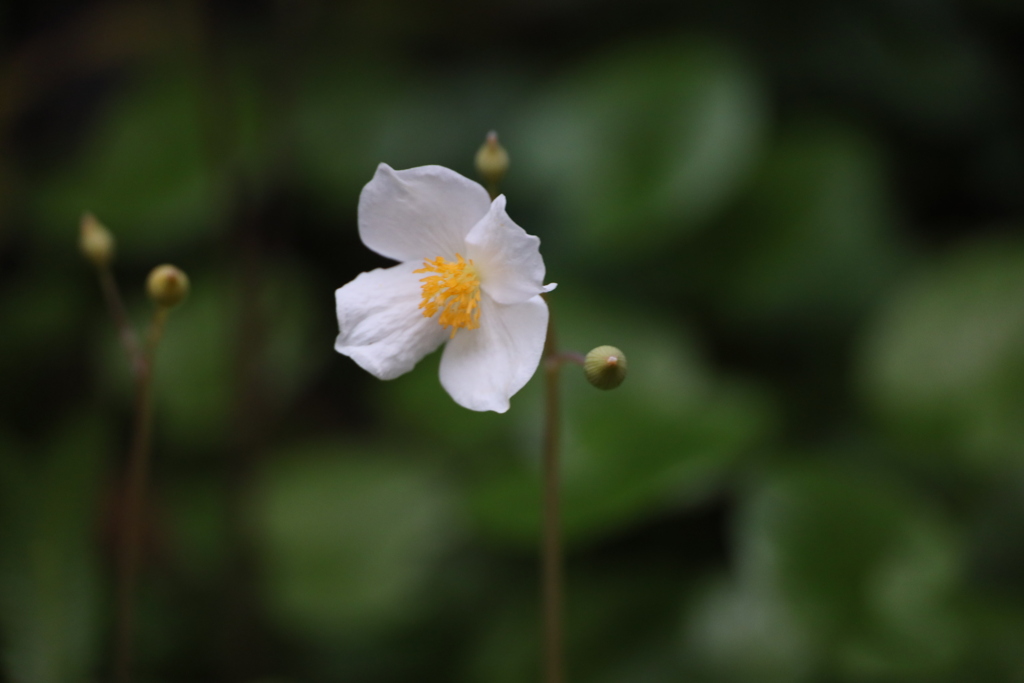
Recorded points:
(167, 286)
(492, 160)
(95, 241)
(605, 367)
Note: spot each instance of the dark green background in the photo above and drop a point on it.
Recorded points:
(800, 220)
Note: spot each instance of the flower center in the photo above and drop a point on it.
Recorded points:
(454, 290)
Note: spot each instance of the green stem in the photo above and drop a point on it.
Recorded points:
(551, 544)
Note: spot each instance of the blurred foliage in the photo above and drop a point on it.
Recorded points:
(49, 570)
(945, 361)
(645, 143)
(150, 179)
(801, 221)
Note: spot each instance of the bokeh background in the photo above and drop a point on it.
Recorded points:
(800, 219)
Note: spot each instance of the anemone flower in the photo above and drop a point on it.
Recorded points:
(467, 277)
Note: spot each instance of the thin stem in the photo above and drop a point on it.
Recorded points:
(125, 332)
(130, 550)
(572, 357)
(551, 544)
(156, 331)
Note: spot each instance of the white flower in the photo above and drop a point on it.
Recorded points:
(467, 275)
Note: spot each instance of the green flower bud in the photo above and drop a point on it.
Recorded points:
(492, 160)
(167, 286)
(95, 241)
(605, 367)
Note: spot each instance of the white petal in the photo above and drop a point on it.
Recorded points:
(507, 258)
(483, 368)
(419, 213)
(382, 326)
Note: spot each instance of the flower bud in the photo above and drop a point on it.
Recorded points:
(95, 241)
(605, 367)
(167, 286)
(492, 160)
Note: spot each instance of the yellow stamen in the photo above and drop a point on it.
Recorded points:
(454, 290)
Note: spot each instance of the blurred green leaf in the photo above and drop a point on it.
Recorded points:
(869, 571)
(943, 363)
(347, 538)
(744, 632)
(643, 144)
(146, 171)
(665, 437)
(813, 236)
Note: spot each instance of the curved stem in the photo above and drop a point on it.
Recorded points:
(551, 544)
